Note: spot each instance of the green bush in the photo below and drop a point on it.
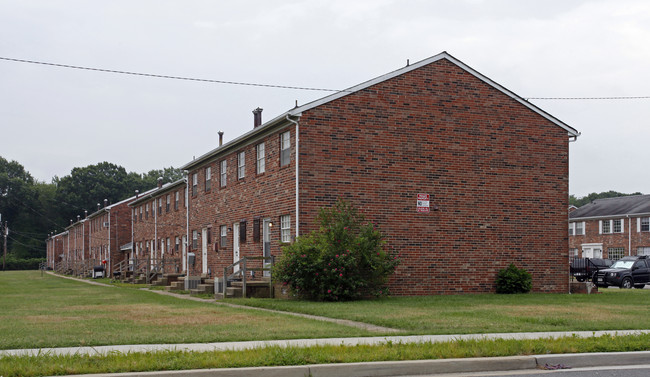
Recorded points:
(514, 280)
(344, 260)
(12, 263)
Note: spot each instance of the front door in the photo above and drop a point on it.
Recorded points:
(266, 235)
(235, 245)
(204, 250)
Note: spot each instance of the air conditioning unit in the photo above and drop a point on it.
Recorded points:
(105, 224)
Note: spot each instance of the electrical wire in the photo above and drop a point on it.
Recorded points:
(270, 85)
(168, 76)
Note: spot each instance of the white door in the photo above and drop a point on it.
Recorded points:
(204, 250)
(266, 249)
(235, 245)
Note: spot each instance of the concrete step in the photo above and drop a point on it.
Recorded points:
(233, 292)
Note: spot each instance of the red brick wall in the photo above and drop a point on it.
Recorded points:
(105, 242)
(629, 237)
(267, 195)
(164, 224)
(497, 171)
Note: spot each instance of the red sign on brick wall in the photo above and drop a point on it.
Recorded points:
(423, 203)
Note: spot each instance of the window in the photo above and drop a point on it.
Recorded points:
(176, 199)
(580, 228)
(209, 241)
(285, 228)
(178, 243)
(169, 199)
(571, 227)
(208, 178)
(606, 226)
(160, 206)
(135, 216)
(146, 211)
(615, 253)
(573, 253)
(140, 213)
(241, 165)
(261, 162)
(169, 245)
(285, 148)
(195, 239)
(195, 183)
(224, 235)
(643, 250)
(645, 224)
(224, 166)
(153, 208)
(618, 228)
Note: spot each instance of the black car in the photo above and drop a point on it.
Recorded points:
(626, 272)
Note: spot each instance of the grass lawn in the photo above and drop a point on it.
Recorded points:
(613, 309)
(49, 311)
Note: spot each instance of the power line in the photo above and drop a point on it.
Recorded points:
(168, 76)
(272, 85)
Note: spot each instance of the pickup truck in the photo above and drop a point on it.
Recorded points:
(584, 269)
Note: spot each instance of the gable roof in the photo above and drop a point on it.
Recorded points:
(613, 207)
(297, 111)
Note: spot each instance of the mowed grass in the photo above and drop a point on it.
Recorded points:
(613, 309)
(49, 311)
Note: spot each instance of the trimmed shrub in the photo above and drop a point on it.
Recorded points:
(514, 280)
(13, 263)
(344, 260)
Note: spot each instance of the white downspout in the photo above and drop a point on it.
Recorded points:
(109, 270)
(297, 174)
(187, 231)
(629, 235)
(155, 227)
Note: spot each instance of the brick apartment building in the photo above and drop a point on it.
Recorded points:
(493, 165)
(55, 247)
(160, 226)
(110, 233)
(611, 228)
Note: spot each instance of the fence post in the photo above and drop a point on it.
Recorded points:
(244, 278)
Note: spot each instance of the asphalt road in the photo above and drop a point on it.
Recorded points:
(609, 371)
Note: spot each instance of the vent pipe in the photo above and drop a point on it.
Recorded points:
(160, 180)
(137, 193)
(105, 203)
(257, 117)
(220, 138)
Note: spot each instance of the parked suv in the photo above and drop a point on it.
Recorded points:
(626, 272)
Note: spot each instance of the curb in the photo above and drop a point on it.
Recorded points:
(411, 368)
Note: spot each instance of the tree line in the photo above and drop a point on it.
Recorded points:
(34, 209)
(579, 202)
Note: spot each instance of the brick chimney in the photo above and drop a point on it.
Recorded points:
(257, 117)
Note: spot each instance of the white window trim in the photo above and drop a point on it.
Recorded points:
(224, 173)
(285, 228)
(241, 164)
(261, 158)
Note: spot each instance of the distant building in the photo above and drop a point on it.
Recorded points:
(611, 228)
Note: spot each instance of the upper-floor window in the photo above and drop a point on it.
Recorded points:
(178, 243)
(160, 206)
(195, 239)
(140, 213)
(644, 224)
(611, 226)
(146, 211)
(285, 228)
(135, 217)
(208, 178)
(241, 165)
(577, 228)
(261, 162)
(168, 204)
(571, 229)
(176, 199)
(285, 148)
(224, 170)
(195, 183)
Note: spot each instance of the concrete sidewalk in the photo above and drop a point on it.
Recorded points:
(223, 346)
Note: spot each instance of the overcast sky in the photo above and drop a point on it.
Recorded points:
(54, 119)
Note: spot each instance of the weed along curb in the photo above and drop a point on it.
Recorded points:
(412, 368)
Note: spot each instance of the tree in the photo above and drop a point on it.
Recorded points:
(170, 174)
(579, 202)
(344, 260)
